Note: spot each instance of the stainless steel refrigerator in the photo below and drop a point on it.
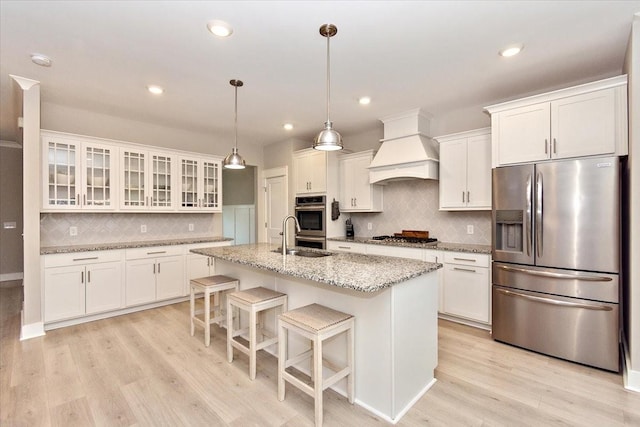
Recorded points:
(556, 252)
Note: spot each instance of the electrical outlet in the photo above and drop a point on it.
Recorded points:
(190, 227)
(73, 231)
(469, 229)
(369, 226)
(143, 228)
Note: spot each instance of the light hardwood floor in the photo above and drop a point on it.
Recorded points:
(145, 369)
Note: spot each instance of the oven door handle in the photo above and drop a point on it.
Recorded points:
(310, 238)
(554, 301)
(310, 208)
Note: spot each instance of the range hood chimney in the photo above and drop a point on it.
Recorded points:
(407, 152)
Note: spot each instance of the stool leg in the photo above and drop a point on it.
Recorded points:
(350, 361)
(207, 317)
(282, 358)
(229, 331)
(252, 343)
(192, 308)
(317, 382)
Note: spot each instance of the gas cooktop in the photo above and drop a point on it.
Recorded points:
(400, 239)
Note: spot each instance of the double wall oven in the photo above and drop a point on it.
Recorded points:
(311, 214)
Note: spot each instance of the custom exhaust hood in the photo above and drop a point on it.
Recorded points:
(407, 152)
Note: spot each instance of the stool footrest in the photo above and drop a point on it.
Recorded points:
(300, 384)
(335, 377)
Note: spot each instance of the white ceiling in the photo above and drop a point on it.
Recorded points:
(440, 56)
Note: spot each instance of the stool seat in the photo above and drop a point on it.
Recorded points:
(255, 301)
(316, 323)
(217, 286)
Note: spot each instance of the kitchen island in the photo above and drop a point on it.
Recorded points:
(394, 301)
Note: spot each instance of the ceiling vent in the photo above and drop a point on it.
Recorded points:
(407, 152)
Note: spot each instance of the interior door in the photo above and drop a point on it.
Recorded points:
(275, 206)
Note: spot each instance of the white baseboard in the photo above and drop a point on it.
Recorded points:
(32, 330)
(7, 277)
(631, 378)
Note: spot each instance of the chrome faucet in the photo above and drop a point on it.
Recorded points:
(284, 231)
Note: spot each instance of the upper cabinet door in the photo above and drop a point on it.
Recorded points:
(133, 184)
(310, 171)
(163, 176)
(453, 174)
(479, 172)
(78, 175)
(524, 134)
(584, 125)
(200, 184)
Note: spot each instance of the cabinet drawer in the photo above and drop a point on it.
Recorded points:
(396, 251)
(154, 252)
(81, 258)
(464, 258)
(359, 248)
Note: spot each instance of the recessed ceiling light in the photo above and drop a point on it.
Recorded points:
(287, 126)
(219, 28)
(156, 90)
(365, 100)
(511, 50)
(40, 59)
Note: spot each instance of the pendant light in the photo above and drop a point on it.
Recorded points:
(328, 139)
(235, 160)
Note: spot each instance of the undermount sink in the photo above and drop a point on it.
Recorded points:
(303, 253)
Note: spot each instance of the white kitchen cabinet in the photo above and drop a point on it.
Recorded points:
(148, 180)
(352, 247)
(584, 120)
(356, 193)
(434, 255)
(200, 184)
(78, 173)
(82, 283)
(466, 286)
(154, 274)
(465, 170)
(310, 171)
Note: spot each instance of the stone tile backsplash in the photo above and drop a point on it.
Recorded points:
(414, 205)
(119, 227)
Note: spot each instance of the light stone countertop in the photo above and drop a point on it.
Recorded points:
(46, 250)
(363, 273)
(444, 246)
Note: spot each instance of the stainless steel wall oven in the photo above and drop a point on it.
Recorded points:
(311, 214)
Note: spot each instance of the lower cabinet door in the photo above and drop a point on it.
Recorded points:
(141, 281)
(103, 287)
(466, 292)
(170, 277)
(63, 292)
(199, 266)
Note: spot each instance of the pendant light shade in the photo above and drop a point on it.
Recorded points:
(328, 139)
(235, 160)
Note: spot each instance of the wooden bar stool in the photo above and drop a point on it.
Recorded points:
(255, 301)
(316, 323)
(216, 285)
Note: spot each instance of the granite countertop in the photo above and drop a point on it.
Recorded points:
(46, 250)
(363, 273)
(444, 246)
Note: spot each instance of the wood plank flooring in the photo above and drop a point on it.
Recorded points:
(144, 369)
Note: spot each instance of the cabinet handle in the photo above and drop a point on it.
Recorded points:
(84, 199)
(344, 247)
(154, 268)
(468, 200)
(355, 202)
(554, 146)
(77, 199)
(546, 151)
(463, 197)
(464, 269)
(89, 276)
(156, 252)
(465, 259)
(85, 259)
(208, 260)
(82, 277)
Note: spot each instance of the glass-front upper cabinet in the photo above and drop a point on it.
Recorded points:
(200, 184)
(147, 180)
(77, 174)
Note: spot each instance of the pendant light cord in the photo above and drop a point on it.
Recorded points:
(236, 119)
(328, 78)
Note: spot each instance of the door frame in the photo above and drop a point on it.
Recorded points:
(266, 174)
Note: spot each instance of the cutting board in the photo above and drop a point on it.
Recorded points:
(420, 234)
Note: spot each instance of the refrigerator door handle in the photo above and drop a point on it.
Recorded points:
(554, 275)
(539, 214)
(554, 301)
(527, 218)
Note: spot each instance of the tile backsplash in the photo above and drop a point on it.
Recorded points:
(118, 227)
(414, 205)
